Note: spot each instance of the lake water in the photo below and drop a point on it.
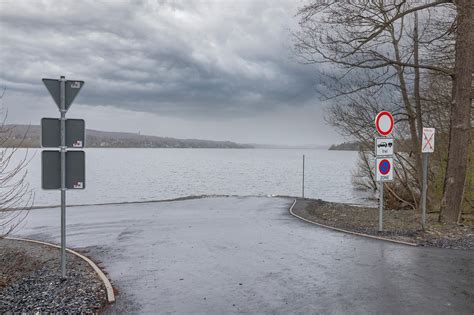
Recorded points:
(121, 175)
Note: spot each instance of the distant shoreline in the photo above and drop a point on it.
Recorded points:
(29, 136)
(236, 148)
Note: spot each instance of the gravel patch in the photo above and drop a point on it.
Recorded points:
(400, 225)
(32, 283)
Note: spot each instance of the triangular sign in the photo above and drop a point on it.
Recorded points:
(72, 89)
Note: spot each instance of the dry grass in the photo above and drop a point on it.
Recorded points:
(403, 225)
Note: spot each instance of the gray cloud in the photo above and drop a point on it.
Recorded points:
(202, 69)
(170, 57)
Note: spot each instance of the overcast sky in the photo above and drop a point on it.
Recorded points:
(221, 70)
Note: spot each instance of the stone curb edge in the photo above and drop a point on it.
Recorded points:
(102, 276)
(346, 231)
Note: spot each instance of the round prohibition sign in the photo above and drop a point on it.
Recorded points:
(384, 123)
(384, 167)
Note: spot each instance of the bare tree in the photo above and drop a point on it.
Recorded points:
(16, 197)
(377, 46)
(460, 127)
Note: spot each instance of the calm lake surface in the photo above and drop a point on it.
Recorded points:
(120, 175)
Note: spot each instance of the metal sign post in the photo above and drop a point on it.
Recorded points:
(384, 148)
(427, 147)
(381, 207)
(424, 190)
(70, 173)
(383, 173)
(302, 188)
(62, 109)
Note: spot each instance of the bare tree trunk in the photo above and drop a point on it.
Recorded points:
(460, 115)
(416, 92)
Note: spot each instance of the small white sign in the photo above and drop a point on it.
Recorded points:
(428, 140)
(384, 169)
(77, 144)
(383, 146)
(79, 185)
(76, 85)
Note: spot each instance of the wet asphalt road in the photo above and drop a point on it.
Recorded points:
(248, 255)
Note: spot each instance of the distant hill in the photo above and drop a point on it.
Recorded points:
(346, 146)
(29, 137)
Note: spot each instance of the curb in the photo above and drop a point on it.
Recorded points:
(102, 276)
(347, 231)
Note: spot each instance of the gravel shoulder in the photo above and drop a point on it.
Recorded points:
(400, 225)
(30, 281)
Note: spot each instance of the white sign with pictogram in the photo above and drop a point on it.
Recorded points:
(383, 146)
(428, 140)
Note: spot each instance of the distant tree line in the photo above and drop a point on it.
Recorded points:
(346, 146)
(29, 137)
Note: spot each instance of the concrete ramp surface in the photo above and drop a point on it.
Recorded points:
(248, 255)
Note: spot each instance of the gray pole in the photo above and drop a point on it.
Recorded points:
(381, 208)
(302, 193)
(425, 189)
(63, 175)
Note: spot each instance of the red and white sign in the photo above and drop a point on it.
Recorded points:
(428, 140)
(384, 123)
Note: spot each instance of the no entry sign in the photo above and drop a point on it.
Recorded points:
(384, 123)
(384, 169)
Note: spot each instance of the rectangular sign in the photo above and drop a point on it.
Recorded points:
(51, 135)
(51, 170)
(384, 169)
(383, 146)
(428, 140)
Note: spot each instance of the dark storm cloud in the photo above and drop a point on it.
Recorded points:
(168, 57)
